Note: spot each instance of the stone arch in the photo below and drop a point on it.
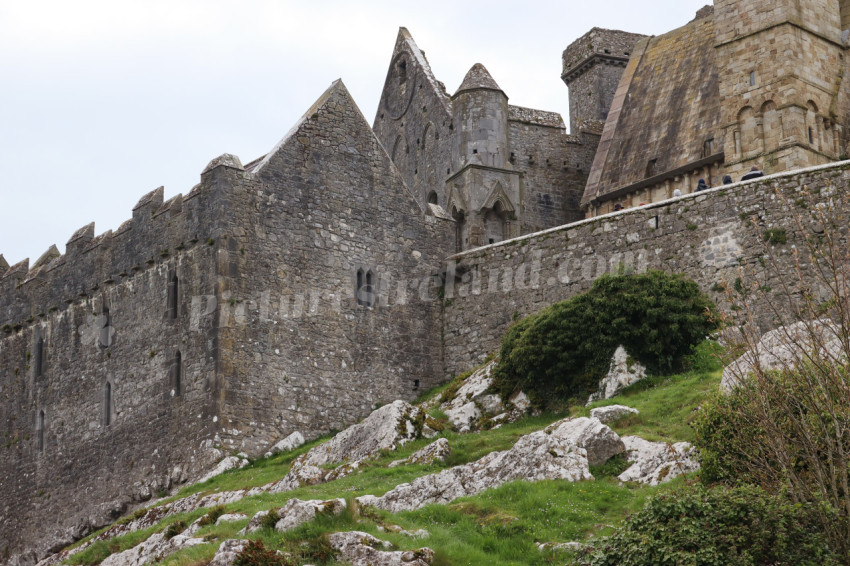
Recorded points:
(747, 132)
(772, 133)
(496, 220)
(433, 198)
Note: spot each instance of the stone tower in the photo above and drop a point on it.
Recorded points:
(779, 64)
(593, 65)
(484, 194)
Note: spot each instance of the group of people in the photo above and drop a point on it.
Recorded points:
(702, 186)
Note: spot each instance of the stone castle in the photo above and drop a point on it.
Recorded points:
(353, 264)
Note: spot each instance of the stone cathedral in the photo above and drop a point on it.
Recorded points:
(355, 264)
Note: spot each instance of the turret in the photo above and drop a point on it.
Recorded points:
(480, 115)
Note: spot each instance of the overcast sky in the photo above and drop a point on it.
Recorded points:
(103, 101)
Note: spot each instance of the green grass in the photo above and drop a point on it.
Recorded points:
(499, 526)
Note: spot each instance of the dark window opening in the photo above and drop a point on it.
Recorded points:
(416, 384)
(448, 171)
(607, 51)
(402, 72)
(39, 431)
(38, 362)
(106, 331)
(432, 197)
(474, 151)
(811, 135)
(173, 287)
(370, 289)
(650, 167)
(365, 291)
(708, 147)
(178, 370)
(416, 171)
(107, 404)
(359, 287)
(492, 241)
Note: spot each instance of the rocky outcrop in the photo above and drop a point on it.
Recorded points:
(386, 428)
(473, 402)
(288, 444)
(785, 347)
(657, 462)
(297, 512)
(437, 451)
(227, 464)
(598, 440)
(622, 372)
(612, 413)
(154, 549)
(537, 456)
(362, 549)
(230, 518)
(228, 551)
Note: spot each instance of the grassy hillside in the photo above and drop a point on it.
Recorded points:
(499, 526)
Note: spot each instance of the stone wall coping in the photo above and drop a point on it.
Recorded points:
(737, 185)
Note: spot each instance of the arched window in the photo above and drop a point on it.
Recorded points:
(358, 289)
(107, 404)
(747, 126)
(771, 126)
(173, 283)
(178, 372)
(495, 223)
(433, 198)
(370, 289)
(812, 125)
(39, 431)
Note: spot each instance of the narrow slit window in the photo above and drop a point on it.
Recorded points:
(107, 404)
(39, 431)
(38, 361)
(752, 78)
(370, 289)
(106, 331)
(178, 372)
(173, 284)
(358, 291)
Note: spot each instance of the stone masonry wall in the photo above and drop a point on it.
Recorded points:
(301, 353)
(554, 167)
(705, 235)
(71, 459)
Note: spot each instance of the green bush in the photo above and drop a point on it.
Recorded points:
(564, 350)
(742, 526)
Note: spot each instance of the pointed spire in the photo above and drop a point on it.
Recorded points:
(478, 77)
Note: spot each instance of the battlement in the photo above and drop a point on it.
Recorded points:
(157, 230)
(607, 46)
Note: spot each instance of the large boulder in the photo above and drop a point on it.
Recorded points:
(154, 549)
(362, 549)
(288, 444)
(537, 456)
(622, 372)
(600, 442)
(473, 402)
(785, 347)
(657, 462)
(227, 464)
(228, 551)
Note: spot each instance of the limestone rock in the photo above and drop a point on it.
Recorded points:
(600, 442)
(612, 413)
(622, 372)
(230, 518)
(657, 462)
(297, 512)
(535, 457)
(362, 549)
(288, 444)
(256, 523)
(228, 551)
(784, 347)
(574, 546)
(463, 417)
(385, 429)
(154, 549)
(437, 451)
(471, 401)
(229, 463)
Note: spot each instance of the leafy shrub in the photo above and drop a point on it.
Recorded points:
(742, 526)
(256, 554)
(564, 350)
(269, 520)
(175, 529)
(212, 516)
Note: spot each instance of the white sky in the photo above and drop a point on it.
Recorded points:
(102, 101)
